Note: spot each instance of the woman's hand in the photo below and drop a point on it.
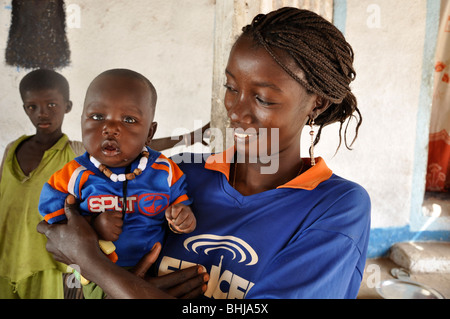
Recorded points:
(186, 283)
(77, 243)
(66, 241)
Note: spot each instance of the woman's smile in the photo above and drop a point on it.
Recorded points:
(245, 136)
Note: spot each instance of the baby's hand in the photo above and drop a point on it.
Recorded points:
(181, 218)
(108, 225)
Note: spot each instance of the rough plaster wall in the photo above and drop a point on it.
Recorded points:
(174, 48)
(168, 41)
(388, 61)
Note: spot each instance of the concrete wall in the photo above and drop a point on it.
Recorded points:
(168, 41)
(394, 43)
(172, 43)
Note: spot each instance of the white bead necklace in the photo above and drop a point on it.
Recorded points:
(122, 177)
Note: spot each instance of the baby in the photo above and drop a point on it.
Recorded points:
(123, 186)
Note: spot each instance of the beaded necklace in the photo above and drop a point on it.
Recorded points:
(122, 177)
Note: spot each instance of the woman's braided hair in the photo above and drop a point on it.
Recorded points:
(321, 52)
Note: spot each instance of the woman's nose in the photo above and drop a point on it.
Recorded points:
(240, 111)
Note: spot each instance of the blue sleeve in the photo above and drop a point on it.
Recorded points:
(178, 192)
(51, 204)
(324, 261)
(56, 189)
(178, 187)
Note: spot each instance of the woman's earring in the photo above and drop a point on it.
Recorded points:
(311, 149)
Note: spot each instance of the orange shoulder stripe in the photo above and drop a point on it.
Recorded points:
(160, 167)
(171, 168)
(176, 171)
(84, 178)
(60, 179)
(180, 199)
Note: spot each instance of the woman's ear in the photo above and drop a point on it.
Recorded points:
(321, 104)
(151, 132)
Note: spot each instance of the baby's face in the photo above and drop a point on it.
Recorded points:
(117, 119)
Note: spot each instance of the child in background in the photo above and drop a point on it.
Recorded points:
(27, 270)
(123, 186)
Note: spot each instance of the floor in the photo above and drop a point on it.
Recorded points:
(379, 269)
(376, 271)
(429, 263)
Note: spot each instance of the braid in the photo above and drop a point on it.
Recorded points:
(321, 52)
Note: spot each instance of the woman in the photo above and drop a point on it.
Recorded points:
(299, 231)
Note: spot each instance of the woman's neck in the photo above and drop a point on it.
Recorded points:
(252, 178)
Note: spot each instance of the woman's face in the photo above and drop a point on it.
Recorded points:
(262, 100)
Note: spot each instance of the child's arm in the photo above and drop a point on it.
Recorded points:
(108, 225)
(68, 180)
(179, 215)
(181, 218)
(51, 204)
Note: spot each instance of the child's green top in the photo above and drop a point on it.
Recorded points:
(22, 248)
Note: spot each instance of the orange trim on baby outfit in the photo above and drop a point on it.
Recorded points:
(60, 180)
(180, 199)
(59, 212)
(160, 167)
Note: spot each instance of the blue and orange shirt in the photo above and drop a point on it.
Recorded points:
(305, 239)
(160, 185)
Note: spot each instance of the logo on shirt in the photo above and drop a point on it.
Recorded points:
(223, 284)
(152, 204)
(147, 204)
(240, 250)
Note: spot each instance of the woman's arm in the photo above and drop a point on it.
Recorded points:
(77, 243)
(160, 144)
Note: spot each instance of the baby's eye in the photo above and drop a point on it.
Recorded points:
(129, 120)
(96, 117)
(30, 107)
(51, 105)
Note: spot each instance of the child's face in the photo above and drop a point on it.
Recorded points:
(46, 109)
(117, 119)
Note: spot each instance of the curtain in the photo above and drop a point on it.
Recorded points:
(438, 170)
